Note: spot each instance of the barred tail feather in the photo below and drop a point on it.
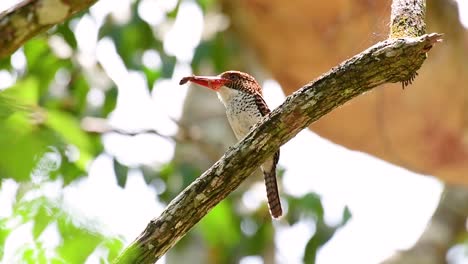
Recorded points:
(273, 197)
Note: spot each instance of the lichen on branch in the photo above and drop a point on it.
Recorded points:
(407, 18)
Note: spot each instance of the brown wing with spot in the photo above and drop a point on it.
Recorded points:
(269, 174)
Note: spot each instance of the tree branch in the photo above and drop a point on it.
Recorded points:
(393, 60)
(407, 18)
(32, 17)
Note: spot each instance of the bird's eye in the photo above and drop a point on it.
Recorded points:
(233, 77)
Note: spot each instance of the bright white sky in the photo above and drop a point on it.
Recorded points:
(388, 214)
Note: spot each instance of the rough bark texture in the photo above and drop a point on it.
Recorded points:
(31, 17)
(407, 18)
(423, 129)
(448, 222)
(394, 60)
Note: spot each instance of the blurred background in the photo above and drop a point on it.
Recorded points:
(97, 137)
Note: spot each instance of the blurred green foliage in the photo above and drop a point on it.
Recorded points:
(44, 110)
(77, 241)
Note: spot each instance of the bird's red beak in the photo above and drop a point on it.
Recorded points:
(214, 83)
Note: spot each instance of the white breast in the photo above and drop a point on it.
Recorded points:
(241, 110)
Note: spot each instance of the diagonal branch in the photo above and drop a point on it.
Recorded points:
(393, 60)
(32, 17)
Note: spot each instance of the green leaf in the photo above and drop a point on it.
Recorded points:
(42, 219)
(310, 252)
(114, 246)
(218, 221)
(206, 4)
(68, 127)
(57, 260)
(78, 243)
(121, 172)
(70, 172)
(24, 92)
(5, 63)
(346, 216)
(322, 235)
(67, 34)
(28, 209)
(34, 49)
(22, 145)
(4, 233)
(20, 99)
(189, 173)
(312, 202)
(308, 205)
(42, 63)
(79, 88)
(9, 105)
(78, 240)
(262, 239)
(173, 13)
(167, 170)
(151, 76)
(110, 101)
(29, 255)
(168, 66)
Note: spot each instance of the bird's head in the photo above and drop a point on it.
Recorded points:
(236, 80)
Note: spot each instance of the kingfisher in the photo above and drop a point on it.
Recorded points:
(242, 97)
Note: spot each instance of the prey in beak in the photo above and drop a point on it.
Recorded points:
(212, 82)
